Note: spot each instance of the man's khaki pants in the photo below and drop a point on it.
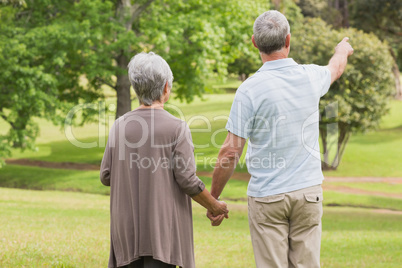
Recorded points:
(286, 228)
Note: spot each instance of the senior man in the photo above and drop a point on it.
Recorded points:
(270, 110)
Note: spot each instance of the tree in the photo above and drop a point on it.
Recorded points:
(359, 98)
(246, 63)
(41, 65)
(384, 18)
(334, 12)
(49, 47)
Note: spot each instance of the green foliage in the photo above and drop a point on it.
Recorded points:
(375, 154)
(48, 47)
(323, 10)
(292, 12)
(199, 38)
(384, 18)
(245, 64)
(13, 2)
(247, 60)
(43, 55)
(363, 91)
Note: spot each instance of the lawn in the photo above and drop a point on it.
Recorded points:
(67, 229)
(373, 154)
(50, 228)
(391, 188)
(34, 178)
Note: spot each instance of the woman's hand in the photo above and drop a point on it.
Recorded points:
(215, 221)
(216, 210)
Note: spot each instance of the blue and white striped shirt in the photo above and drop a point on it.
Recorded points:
(277, 110)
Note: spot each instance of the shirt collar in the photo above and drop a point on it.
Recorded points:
(277, 64)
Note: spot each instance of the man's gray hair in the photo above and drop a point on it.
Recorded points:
(270, 31)
(148, 74)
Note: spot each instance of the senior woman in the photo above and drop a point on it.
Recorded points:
(150, 168)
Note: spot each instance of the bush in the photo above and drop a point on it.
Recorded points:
(361, 94)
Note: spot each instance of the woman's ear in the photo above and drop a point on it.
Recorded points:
(166, 90)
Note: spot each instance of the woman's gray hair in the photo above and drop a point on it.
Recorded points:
(270, 31)
(148, 74)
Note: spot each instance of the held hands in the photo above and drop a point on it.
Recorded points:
(219, 212)
(344, 47)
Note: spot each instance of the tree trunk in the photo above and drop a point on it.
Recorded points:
(122, 87)
(277, 4)
(324, 163)
(126, 13)
(335, 4)
(395, 70)
(343, 138)
(19, 126)
(345, 14)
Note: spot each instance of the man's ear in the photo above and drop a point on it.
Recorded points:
(287, 41)
(253, 40)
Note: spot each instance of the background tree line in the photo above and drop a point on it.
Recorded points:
(48, 48)
(372, 76)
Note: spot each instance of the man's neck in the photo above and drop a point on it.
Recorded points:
(278, 55)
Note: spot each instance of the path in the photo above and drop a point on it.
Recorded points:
(237, 176)
(246, 177)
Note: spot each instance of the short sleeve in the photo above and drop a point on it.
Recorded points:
(320, 76)
(241, 119)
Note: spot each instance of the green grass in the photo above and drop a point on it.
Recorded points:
(65, 151)
(65, 229)
(53, 229)
(360, 238)
(13, 176)
(385, 188)
(69, 229)
(234, 189)
(393, 120)
(373, 154)
(34, 178)
(231, 83)
(361, 200)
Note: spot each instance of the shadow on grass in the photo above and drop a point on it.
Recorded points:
(34, 178)
(65, 151)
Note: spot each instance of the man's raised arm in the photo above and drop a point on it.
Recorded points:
(339, 60)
